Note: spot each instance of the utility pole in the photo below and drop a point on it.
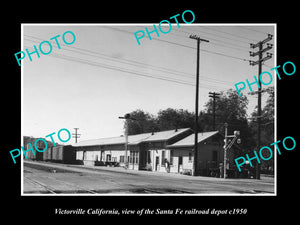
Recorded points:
(127, 117)
(227, 145)
(195, 171)
(259, 62)
(225, 150)
(214, 95)
(76, 135)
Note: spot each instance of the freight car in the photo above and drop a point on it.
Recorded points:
(59, 153)
(64, 154)
(33, 155)
(47, 155)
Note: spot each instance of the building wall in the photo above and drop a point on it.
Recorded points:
(210, 155)
(79, 155)
(156, 159)
(109, 153)
(181, 160)
(150, 156)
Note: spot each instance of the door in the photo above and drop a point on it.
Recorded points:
(156, 162)
(133, 159)
(179, 163)
(102, 156)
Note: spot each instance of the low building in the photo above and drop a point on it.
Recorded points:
(154, 149)
(150, 151)
(110, 150)
(105, 151)
(210, 153)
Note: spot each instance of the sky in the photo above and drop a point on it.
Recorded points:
(105, 74)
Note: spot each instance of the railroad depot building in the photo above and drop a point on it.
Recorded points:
(210, 153)
(141, 148)
(148, 151)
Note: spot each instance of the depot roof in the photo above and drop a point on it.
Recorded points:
(189, 141)
(134, 139)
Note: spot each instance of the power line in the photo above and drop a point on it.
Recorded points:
(223, 37)
(129, 62)
(132, 72)
(235, 48)
(182, 45)
(120, 69)
(232, 45)
(167, 70)
(234, 35)
(210, 87)
(133, 62)
(247, 28)
(186, 46)
(270, 67)
(227, 45)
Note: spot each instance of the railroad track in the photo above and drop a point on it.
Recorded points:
(35, 182)
(83, 190)
(53, 190)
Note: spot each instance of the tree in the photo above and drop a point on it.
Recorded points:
(175, 118)
(144, 123)
(167, 119)
(267, 119)
(267, 126)
(232, 109)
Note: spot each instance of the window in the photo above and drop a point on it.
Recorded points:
(130, 157)
(171, 157)
(215, 156)
(136, 158)
(180, 160)
(108, 157)
(163, 158)
(122, 157)
(148, 156)
(133, 158)
(190, 156)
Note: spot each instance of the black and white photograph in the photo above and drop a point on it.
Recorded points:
(125, 95)
(142, 111)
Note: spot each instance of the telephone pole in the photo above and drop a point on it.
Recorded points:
(225, 150)
(127, 117)
(195, 171)
(214, 95)
(260, 52)
(227, 145)
(76, 135)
